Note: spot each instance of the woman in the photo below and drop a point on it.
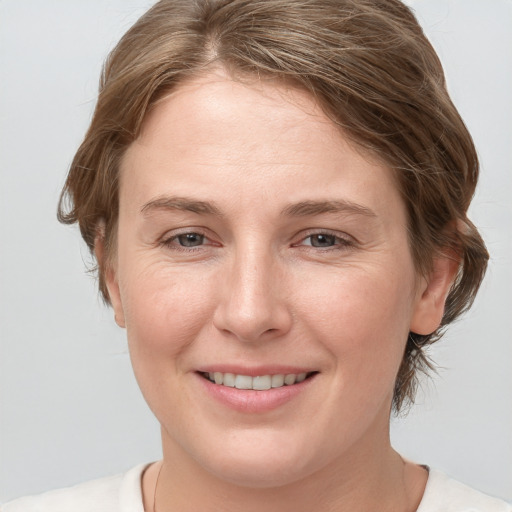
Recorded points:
(276, 195)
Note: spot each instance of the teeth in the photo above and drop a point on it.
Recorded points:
(290, 379)
(260, 383)
(277, 381)
(243, 382)
(229, 380)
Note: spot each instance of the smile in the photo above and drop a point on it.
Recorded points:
(259, 383)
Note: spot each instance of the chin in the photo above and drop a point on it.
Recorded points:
(262, 463)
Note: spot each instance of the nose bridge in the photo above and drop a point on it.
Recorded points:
(252, 286)
(251, 304)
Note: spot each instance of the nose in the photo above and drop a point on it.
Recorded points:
(253, 303)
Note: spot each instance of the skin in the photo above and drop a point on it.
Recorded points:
(257, 289)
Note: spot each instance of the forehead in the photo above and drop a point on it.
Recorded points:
(216, 107)
(245, 139)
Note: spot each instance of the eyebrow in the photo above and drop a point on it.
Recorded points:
(181, 203)
(307, 208)
(300, 209)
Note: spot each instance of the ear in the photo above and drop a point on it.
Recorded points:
(109, 276)
(434, 289)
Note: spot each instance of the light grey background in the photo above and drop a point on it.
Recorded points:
(70, 408)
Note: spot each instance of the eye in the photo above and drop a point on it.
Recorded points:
(321, 240)
(325, 240)
(185, 241)
(190, 239)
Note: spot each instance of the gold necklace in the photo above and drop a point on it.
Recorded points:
(156, 486)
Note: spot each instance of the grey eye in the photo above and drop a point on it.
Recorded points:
(322, 240)
(190, 239)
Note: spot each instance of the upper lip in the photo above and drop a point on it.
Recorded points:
(255, 371)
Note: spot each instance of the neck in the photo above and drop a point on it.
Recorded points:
(375, 478)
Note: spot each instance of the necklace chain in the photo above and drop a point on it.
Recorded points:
(158, 478)
(156, 487)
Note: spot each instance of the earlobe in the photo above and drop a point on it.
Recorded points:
(429, 308)
(114, 295)
(109, 276)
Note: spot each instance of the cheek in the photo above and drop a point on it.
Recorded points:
(165, 312)
(164, 308)
(363, 320)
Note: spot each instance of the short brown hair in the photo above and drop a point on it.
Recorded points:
(370, 67)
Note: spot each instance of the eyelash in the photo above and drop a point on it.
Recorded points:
(339, 242)
(169, 242)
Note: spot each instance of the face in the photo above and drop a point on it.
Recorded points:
(258, 249)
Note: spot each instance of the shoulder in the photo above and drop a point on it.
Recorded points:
(120, 493)
(444, 494)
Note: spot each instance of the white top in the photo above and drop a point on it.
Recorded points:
(122, 493)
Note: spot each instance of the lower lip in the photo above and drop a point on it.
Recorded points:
(251, 401)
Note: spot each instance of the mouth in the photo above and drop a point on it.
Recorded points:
(257, 383)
